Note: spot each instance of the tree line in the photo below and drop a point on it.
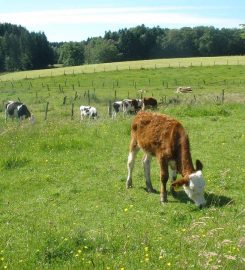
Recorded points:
(142, 43)
(21, 50)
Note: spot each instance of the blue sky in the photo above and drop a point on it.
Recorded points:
(74, 20)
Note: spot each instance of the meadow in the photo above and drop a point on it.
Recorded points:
(63, 201)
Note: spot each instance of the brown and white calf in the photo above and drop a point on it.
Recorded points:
(149, 102)
(165, 138)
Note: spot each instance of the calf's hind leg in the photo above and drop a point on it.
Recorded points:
(164, 179)
(173, 176)
(147, 169)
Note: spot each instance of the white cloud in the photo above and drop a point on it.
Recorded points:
(127, 16)
(78, 24)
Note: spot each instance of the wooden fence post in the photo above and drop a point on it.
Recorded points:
(64, 100)
(223, 96)
(72, 110)
(46, 111)
(88, 98)
(75, 97)
(109, 109)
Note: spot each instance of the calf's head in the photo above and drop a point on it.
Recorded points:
(194, 185)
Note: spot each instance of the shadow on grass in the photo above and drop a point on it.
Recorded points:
(212, 199)
(217, 200)
(154, 190)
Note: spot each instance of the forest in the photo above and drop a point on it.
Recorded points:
(24, 50)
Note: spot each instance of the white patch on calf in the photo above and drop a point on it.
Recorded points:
(195, 189)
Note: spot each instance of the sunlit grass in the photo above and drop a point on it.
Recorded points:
(127, 65)
(63, 201)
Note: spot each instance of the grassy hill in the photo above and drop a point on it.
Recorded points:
(146, 64)
(63, 200)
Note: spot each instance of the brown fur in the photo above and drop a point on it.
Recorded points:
(166, 139)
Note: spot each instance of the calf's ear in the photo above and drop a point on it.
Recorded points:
(199, 165)
(180, 182)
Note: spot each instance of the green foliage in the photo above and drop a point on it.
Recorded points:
(141, 42)
(71, 54)
(99, 50)
(21, 50)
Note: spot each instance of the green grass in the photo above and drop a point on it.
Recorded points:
(116, 66)
(63, 200)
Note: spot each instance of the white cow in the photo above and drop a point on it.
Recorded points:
(88, 111)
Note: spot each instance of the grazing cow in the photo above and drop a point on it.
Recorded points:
(166, 139)
(131, 106)
(149, 102)
(127, 106)
(184, 90)
(88, 111)
(16, 109)
(117, 107)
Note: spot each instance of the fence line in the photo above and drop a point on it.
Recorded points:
(142, 64)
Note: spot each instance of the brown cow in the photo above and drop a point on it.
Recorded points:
(149, 102)
(166, 139)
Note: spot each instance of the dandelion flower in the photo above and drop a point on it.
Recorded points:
(126, 209)
(169, 264)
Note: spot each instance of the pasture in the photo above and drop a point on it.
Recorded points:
(63, 200)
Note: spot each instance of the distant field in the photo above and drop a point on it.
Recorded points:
(63, 201)
(147, 64)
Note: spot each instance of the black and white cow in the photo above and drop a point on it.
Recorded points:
(127, 106)
(117, 107)
(16, 109)
(131, 106)
(88, 111)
